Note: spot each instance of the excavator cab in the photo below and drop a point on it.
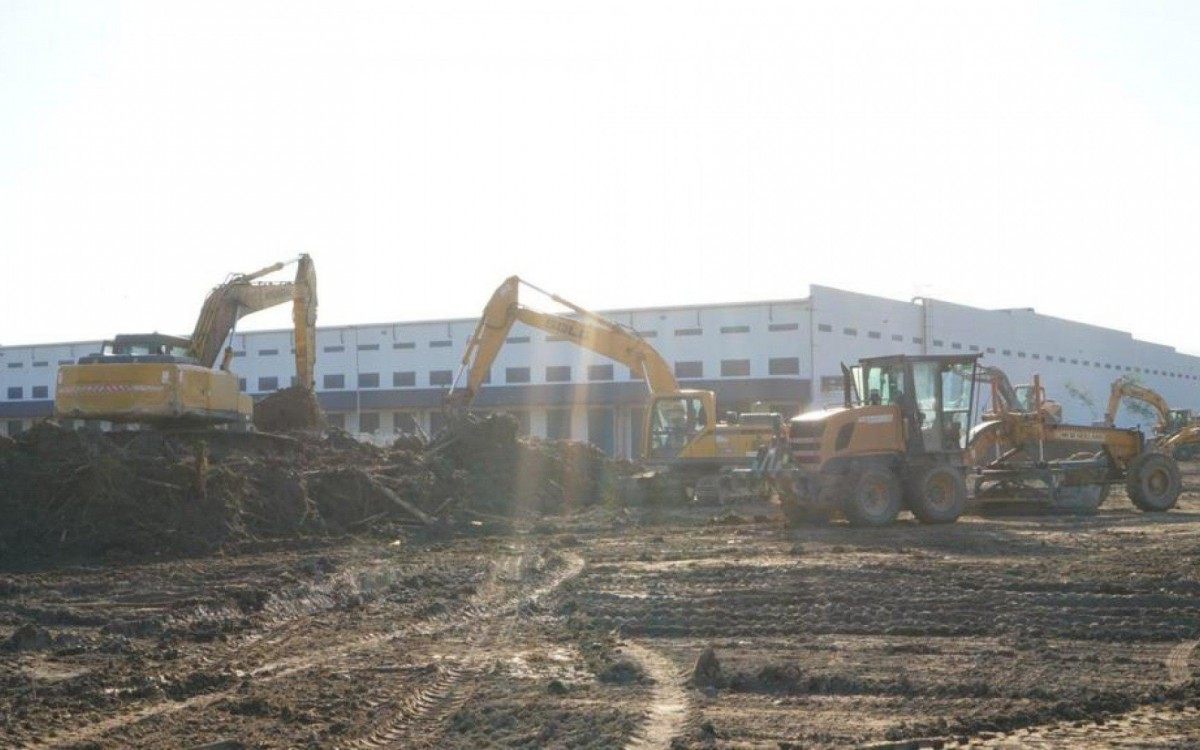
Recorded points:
(677, 421)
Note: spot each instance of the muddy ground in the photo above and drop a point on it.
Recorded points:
(1014, 631)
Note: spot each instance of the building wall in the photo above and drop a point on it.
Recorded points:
(785, 353)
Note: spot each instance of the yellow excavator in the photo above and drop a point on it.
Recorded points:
(681, 434)
(1175, 431)
(162, 380)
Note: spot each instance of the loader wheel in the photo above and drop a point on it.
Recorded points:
(938, 495)
(875, 499)
(1153, 482)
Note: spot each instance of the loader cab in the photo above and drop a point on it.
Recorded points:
(934, 395)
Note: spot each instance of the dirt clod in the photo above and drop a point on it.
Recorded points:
(707, 671)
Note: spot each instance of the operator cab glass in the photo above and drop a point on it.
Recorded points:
(155, 348)
(934, 395)
(674, 422)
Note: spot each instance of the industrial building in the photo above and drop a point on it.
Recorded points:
(785, 354)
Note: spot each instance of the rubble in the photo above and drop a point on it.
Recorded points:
(69, 493)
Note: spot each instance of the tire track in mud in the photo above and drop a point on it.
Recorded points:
(1178, 669)
(668, 703)
(418, 711)
(494, 600)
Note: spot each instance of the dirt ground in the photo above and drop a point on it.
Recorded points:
(1012, 631)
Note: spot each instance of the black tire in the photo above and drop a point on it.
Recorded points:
(1153, 482)
(875, 498)
(937, 495)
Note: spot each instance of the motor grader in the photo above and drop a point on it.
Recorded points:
(896, 442)
(1025, 454)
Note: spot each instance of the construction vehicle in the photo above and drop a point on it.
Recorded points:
(1175, 430)
(164, 381)
(681, 435)
(1026, 455)
(896, 442)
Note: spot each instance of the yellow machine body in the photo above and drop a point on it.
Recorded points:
(150, 392)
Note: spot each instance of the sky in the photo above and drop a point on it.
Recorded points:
(621, 154)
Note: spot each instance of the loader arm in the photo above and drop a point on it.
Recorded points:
(588, 330)
(1123, 389)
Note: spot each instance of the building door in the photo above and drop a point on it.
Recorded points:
(600, 428)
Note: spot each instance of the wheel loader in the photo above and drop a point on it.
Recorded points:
(896, 442)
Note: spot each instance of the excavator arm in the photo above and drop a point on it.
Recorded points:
(586, 329)
(242, 295)
(1122, 388)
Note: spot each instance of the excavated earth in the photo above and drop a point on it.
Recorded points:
(587, 630)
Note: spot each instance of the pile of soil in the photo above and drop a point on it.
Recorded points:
(67, 493)
(287, 410)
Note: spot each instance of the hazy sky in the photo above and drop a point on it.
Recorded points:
(619, 153)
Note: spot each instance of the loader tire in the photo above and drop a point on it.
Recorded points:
(875, 498)
(1153, 482)
(937, 495)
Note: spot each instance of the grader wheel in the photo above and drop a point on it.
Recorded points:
(1153, 482)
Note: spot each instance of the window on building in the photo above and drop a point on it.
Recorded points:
(369, 348)
(368, 380)
(898, 337)
(784, 366)
(239, 353)
(600, 372)
(1074, 361)
(517, 340)
(336, 419)
(558, 424)
(41, 364)
(267, 352)
(334, 349)
(1086, 363)
(735, 329)
(15, 365)
(735, 368)
(775, 327)
(242, 385)
(824, 328)
(333, 382)
(648, 334)
(874, 335)
(404, 379)
(850, 331)
(368, 421)
(689, 331)
(15, 393)
(268, 384)
(991, 350)
(918, 340)
(1035, 355)
(937, 342)
(404, 345)
(1021, 355)
(973, 348)
(41, 391)
(441, 344)
(516, 374)
(558, 373)
(441, 377)
(692, 369)
(1007, 352)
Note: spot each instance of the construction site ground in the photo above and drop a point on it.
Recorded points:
(997, 631)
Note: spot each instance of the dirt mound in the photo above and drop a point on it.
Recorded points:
(75, 493)
(288, 410)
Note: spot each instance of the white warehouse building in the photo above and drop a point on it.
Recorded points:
(390, 377)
